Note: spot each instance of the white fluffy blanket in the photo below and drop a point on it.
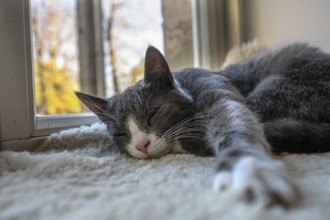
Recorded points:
(76, 175)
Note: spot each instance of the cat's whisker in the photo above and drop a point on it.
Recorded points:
(186, 136)
(159, 145)
(183, 122)
(185, 132)
(183, 125)
(186, 129)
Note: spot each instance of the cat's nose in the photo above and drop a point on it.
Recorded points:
(143, 145)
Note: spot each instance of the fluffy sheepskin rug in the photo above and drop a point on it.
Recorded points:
(76, 175)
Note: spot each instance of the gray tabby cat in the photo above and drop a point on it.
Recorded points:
(278, 101)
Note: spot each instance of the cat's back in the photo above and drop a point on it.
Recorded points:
(199, 79)
(294, 83)
(298, 61)
(205, 87)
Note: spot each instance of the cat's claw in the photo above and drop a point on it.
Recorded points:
(253, 180)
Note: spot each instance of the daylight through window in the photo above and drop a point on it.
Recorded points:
(127, 29)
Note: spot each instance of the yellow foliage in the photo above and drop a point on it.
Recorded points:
(137, 72)
(54, 90)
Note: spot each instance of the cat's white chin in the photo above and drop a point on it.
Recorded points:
(157, 150)
(151, 155)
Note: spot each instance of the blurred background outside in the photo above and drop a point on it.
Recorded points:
(59, 41)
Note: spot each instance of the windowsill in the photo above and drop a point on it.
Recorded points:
(22, 144)
(46, 125)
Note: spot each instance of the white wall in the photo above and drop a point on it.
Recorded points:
(277, 22)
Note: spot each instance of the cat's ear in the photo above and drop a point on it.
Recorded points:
(96, 104)
(156, 69)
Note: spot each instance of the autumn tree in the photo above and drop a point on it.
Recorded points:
(54, 83)
(123, 20)
(110, 38)
(114, 19)
(137, 72)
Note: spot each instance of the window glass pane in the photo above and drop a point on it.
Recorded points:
(129, 26)
(56, 64)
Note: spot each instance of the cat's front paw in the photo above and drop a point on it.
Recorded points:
(253, 180)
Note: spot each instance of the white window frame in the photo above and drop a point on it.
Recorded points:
(20, 128)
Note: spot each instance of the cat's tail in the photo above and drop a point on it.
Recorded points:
(287, 135)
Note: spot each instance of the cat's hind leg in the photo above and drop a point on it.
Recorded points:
(293, 136)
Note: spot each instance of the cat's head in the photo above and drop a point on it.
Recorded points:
(146, 119)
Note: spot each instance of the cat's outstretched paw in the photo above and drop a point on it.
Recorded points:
(252, 179)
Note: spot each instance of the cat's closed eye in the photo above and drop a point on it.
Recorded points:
(120, 134)
(151, 115)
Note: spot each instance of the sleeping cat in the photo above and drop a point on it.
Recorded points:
(274, 102)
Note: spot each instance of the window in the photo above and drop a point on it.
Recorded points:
(93, 46)
(84, 55)
(55, 56)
